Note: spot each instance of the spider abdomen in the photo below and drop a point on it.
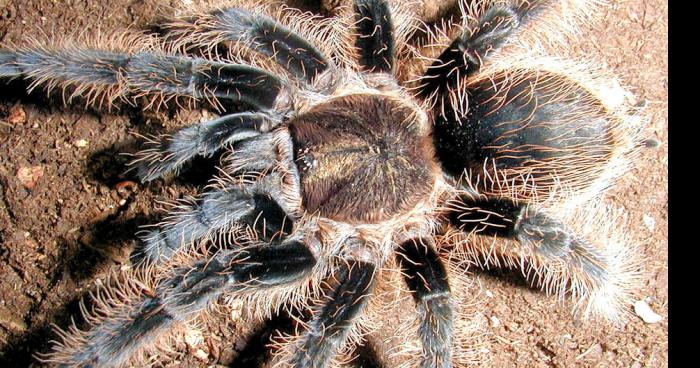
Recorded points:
(533, 128)
(362, 158)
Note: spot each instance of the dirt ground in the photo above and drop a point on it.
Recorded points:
(67, 219)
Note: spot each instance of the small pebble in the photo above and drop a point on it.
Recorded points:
(495, 322)
(642, 309)
(651, 143)
(193, 338)
(29, 176)
(649, 222)
(17, 115)
(81, 143)
(201, 355)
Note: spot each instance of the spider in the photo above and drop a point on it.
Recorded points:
(357, 166)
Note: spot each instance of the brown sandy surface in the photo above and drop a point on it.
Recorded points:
(66, 221)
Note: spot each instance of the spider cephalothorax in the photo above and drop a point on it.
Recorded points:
(354, 177)
(364, 158)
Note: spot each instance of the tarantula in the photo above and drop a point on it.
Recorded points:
(365, 156)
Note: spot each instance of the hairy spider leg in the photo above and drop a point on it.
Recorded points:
(255, 202)
(331, 324)
(427, 279)
(468, 51)
(166, 154)
(255, 31)
(534, 229)
(211, 214)
(118, 334)
(549, 252)
(107, 75)
(375, 40)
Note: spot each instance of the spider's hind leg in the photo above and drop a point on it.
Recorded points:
(486, 31)
(596, 271)
(352, 282)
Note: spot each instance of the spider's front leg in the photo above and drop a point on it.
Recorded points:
(242, 30)
(261, 203)
(168, 153)
(142, 314)
(104, 76)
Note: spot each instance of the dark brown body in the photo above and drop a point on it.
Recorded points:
(362, 158)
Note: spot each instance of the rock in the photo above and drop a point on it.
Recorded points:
(193, 338)
(29, 176)
(642, 309)
(649, 222)
(17, 115)
(81, 143)
(201, 355)
(651, 143)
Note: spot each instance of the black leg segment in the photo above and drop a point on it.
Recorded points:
(329, 328)
(466, 54)
(186, 292)
(209, 215)
(426, 277)
(486, 216)
(375, 35)
(235, 83)
(534, 229)
(108, 76)
(168, 153)
(257, 32)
